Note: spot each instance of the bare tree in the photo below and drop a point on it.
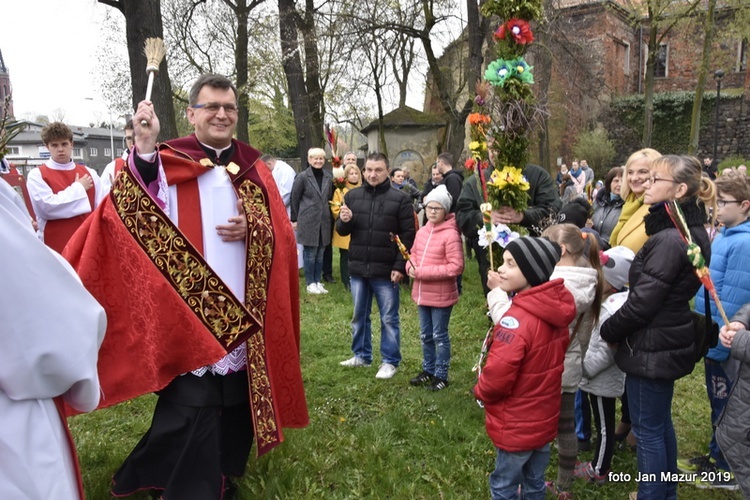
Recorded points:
(289, 19)
(661, 17)
(143, 20)
(695, 118)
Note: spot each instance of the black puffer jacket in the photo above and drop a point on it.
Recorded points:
(654, 328)
(376, 213)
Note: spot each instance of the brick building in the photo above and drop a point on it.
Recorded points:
(594, 52)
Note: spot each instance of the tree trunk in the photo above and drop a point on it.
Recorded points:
(543, 78)
(294, 75)
(143, 20)
(695, 118)
(240, 64)
(477, 27)
(648, 96)
(312, 75)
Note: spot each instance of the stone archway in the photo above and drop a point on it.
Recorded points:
(413, 161)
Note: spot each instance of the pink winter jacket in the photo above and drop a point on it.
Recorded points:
(437, 258)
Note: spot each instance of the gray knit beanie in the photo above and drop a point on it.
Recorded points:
(616, 266)
(536, 257)
(440, 195)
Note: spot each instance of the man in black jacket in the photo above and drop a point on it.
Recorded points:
(543, 202)
(371, 214)
(452, 179)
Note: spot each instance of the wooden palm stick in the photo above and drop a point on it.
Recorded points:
(155, 51)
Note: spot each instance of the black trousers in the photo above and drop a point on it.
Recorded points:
(200, 434)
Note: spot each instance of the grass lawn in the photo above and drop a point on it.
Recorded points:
(371, 438)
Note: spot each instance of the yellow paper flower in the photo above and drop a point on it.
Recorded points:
(477, 146)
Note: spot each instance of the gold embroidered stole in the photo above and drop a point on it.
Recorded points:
(228, 320)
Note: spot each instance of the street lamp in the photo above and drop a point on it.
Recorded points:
(111, 133)
(719, 74)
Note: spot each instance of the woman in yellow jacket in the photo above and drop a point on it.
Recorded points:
(630, 230)
(353, 179)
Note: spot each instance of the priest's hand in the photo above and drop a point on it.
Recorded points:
(145, 135)
(236, 230)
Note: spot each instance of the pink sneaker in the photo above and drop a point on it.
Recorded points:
(586, 471)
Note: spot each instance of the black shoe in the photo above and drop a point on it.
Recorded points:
(584, 445)
(230, 489)
(329, 279)
(422, 379)
(437, 384)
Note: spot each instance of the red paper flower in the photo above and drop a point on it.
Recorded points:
(469, 164)
(518, 29)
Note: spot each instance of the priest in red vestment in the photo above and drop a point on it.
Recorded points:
(194, 259)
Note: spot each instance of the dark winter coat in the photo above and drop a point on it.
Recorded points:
(522, 380)
(654, 328)
(733, 428)
(453, 182)
(606, 214)
(310, 209)
(543, 201)
(377, 212)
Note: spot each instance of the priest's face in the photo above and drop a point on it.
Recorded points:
(214, 116)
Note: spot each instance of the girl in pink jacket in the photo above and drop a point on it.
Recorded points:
(437, 259)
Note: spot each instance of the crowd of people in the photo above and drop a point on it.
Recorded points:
(190, 247)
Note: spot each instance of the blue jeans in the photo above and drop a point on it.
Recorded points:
(386, 293)
(718, 386)
(524, 468)
(436, 345)
(650, 404)
(583, 416)
(313, 262)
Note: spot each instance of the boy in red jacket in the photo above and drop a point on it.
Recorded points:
(521, 382)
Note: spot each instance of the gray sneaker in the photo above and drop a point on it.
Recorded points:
(355, 362)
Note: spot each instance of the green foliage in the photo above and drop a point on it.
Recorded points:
(508, 9)
(672, 115)
(180, 104)
(511, 150)
(732, 161)
(271, 128)
(597, 149)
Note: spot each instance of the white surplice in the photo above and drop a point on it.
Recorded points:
(50, 332)
(65, 204)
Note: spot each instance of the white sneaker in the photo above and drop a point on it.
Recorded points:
(321, 288)
(386, 370)
(312, 289)
(355, 362)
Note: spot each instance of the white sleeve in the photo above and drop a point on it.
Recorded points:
(285, 185)
(108, 176)
(69, 202)
(499, 303)
(52, 327)
(99, 193)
